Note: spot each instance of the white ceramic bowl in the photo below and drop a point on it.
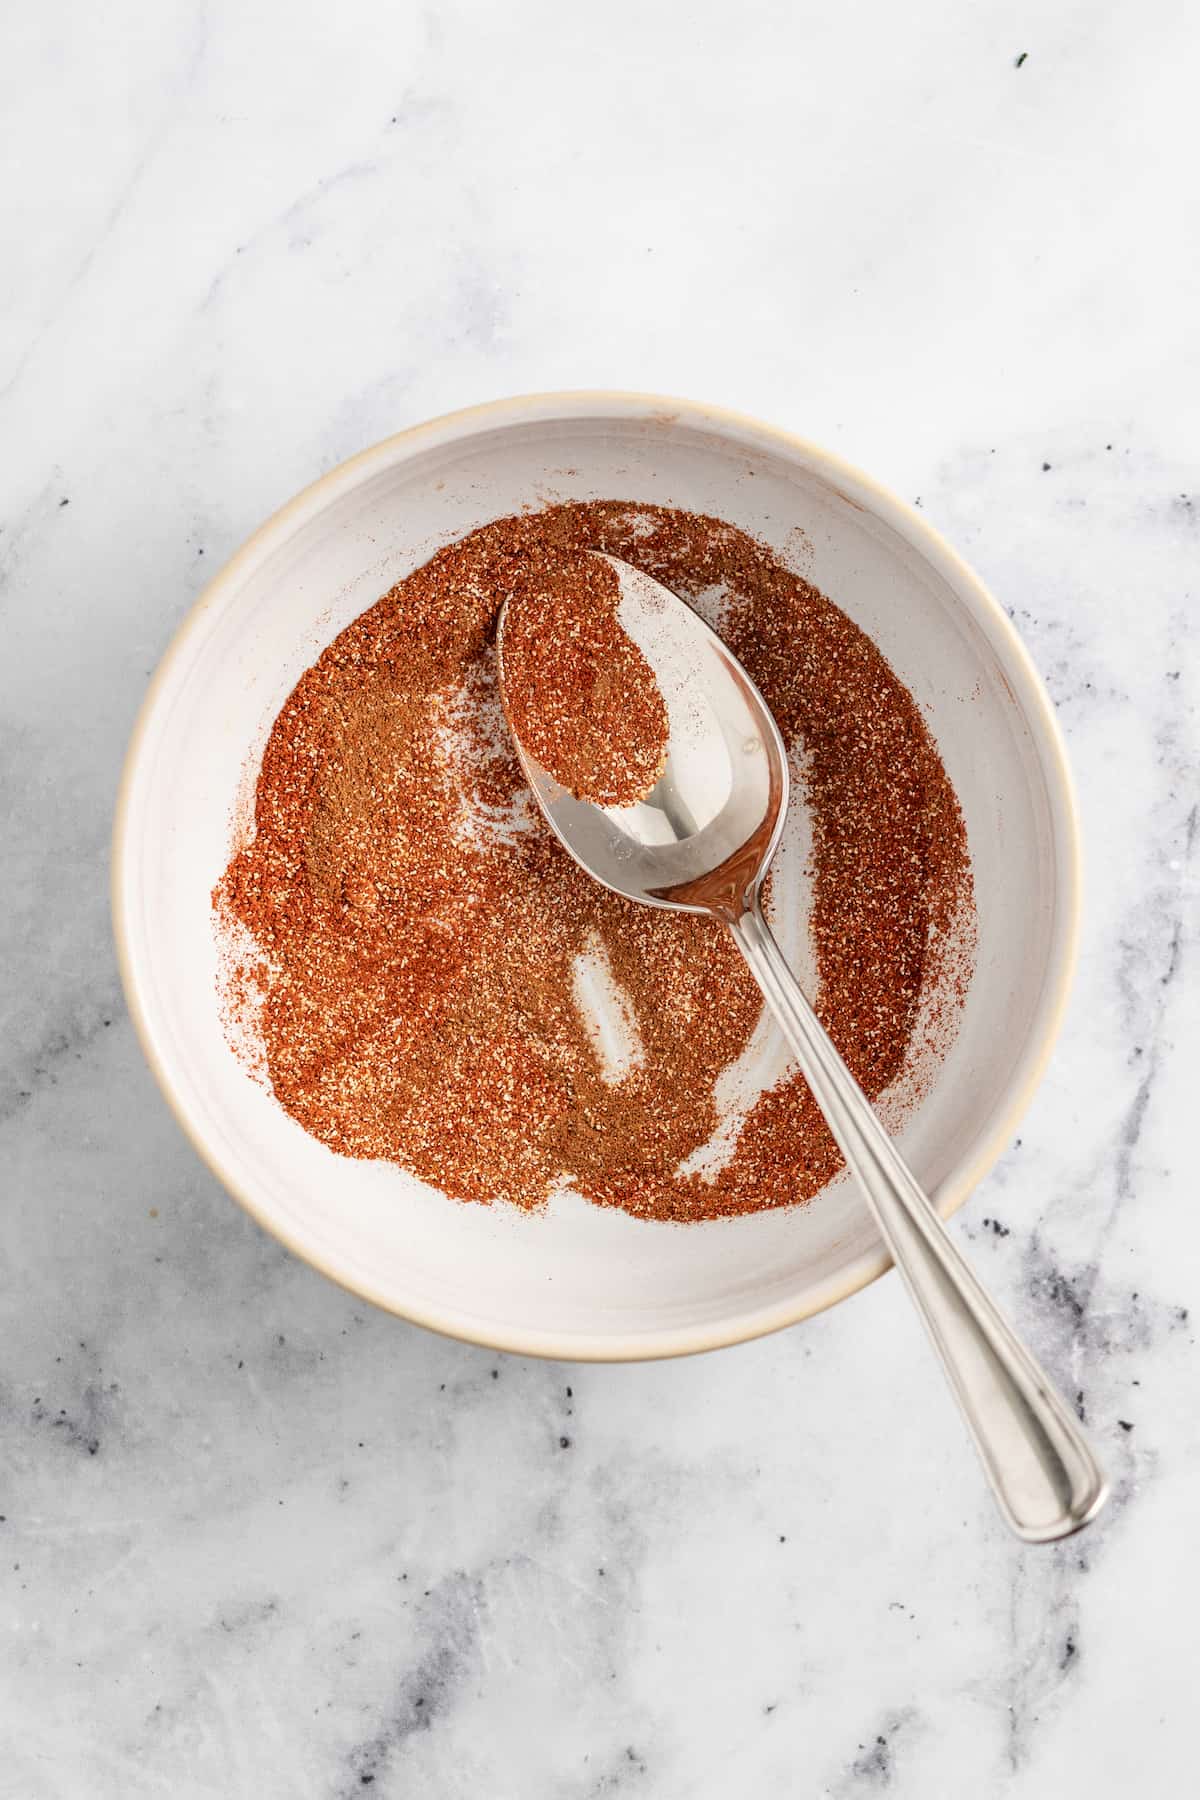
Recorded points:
(578, 1281)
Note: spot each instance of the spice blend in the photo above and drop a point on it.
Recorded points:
(580, 695)
(419, 931)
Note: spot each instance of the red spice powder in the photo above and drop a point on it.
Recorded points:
(420, 931)
(581, 697)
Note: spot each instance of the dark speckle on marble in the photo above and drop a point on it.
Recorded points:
(624, 1773)
(874, 1767)
(424, 1692)
(1077, 1315)
(82, 1425)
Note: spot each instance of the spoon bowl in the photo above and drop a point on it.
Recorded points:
(702, 837)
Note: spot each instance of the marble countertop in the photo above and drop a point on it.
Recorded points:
(258, 1540)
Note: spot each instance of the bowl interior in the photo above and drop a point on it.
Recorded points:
(578, 1281)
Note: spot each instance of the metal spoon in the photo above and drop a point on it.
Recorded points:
(701, 842)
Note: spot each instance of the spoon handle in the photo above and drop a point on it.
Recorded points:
(1043, 1474)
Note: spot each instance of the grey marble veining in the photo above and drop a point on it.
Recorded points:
(258, 1540)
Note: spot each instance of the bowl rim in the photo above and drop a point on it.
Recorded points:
(861, 490)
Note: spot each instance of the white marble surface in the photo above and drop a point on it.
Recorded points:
(260, 1541)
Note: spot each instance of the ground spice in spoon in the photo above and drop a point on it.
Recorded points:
(581, 696)
(419, 935)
